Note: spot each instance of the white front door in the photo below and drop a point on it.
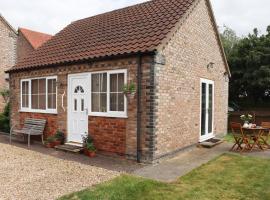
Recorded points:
(207, 110)
(78, 96)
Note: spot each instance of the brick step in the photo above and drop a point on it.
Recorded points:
(70, 148)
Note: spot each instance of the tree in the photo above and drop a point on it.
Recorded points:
(249, 60)
(229, 40)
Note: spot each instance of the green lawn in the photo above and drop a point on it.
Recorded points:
(229, 138)
(226, 177)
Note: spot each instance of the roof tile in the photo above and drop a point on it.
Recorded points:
(138, 28)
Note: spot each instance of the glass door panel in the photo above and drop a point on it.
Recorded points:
(207, 103)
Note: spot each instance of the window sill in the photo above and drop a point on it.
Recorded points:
(39, 111)
(109, 115)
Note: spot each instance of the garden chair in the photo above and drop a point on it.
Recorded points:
(266, 134)
(239, 137)
(30, 127)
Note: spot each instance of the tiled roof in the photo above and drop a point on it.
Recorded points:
(36, 39)
(138, 28)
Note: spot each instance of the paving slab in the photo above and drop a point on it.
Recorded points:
(170, 170)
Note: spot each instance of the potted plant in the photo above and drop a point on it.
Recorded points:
(130, 90)
(50, 142)
(89, 147)
(91, 150)
(60, 137)
(246, 119)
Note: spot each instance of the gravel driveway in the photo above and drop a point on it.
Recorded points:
(29, 175)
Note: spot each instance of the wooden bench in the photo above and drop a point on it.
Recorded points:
(31, 127)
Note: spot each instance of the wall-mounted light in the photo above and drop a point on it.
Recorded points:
(226, 76)
(210, 65)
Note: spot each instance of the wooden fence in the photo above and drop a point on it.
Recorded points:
(258, 116)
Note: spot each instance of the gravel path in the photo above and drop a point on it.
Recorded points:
(29, 175)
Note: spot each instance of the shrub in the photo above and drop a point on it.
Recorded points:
(60, 136)
(4, 119)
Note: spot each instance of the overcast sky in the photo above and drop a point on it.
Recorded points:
(50, 16)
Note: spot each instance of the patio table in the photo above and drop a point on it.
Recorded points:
(257, 136)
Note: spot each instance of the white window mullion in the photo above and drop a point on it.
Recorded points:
(108, 91)
(90, 98)
(21, 93)
(46, 93)
(30, 94)
(117, 106)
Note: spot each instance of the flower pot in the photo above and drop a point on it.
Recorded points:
(57, 143)
(90, 154)
(130, 96)
(50, 145)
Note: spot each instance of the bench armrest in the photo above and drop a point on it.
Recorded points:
(11, 129)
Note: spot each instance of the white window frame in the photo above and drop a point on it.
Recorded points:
(29, 109)
(109, 113)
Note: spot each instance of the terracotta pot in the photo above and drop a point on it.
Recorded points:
(90, 154)
(50, 145)
(57, 143)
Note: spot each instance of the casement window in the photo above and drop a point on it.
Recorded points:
(107, 97)
(38, 95)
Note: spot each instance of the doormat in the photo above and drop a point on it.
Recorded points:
(211, 143)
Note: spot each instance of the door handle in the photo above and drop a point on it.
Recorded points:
(86, 110)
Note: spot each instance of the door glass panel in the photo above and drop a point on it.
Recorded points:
(75, 105)
(203, 109)
(210, 109)
(82, 104)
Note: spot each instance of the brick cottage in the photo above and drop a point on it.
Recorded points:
(170, 49)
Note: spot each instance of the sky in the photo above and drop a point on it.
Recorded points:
(50, 16)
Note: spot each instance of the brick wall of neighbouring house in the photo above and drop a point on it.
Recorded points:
(51, 124)
(24, 48)
(125, 132)
(7, 54)
(177, 111)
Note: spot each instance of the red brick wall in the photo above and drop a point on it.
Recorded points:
(120, 138)
(51, 125)
(109, 134)
(24, 48)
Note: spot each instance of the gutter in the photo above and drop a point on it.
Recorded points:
(139, 111)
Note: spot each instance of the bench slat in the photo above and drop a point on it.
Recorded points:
(36, 126)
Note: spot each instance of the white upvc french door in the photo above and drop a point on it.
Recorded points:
(207, 109)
